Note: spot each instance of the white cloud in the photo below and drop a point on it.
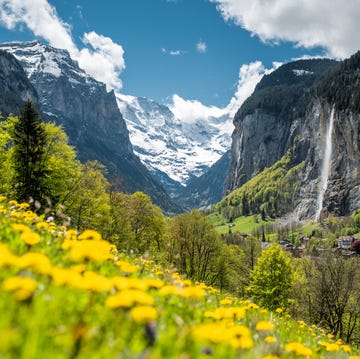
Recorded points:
(41, 18)
(189, 111)
(201, 47)
(173, 52)
(102, 58)
(249, 77)
(105, 60)
(308, 23)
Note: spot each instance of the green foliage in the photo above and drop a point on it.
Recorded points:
(284, 94)
(194, 246)
(342, 87)
(29, 140)
(330, 294)
(269, 193)
(88, 204)
(272, 279)
(139, 225)
(61, 165)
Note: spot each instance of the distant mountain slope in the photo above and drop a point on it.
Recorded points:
(206, 190)
(89, 115)
(181, 150)
(15, 87)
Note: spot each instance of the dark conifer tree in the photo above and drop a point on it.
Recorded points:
(29, 155)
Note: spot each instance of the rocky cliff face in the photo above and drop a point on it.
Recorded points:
(88, 114)
(15, 87)
(288, 111)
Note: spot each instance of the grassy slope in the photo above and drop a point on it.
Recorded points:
(271, 191)
(69, 296)
(244, 224)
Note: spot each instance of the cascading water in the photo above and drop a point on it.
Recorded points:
(325, 169)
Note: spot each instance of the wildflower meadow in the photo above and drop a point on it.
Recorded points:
(65, 294)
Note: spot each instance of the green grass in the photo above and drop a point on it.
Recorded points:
(244, 224)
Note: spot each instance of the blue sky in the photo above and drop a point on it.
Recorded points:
(192, 48)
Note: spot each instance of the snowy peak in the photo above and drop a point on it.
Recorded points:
(40, 59)
(181, 149)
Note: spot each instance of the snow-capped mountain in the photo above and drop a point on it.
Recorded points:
(89, 115)
(175, 151)
(180, 149)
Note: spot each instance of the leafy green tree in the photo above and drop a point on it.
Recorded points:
(61, 165)
(272, 278)
(330, 295)
(29, 140)
(147, 224)
(194, 247)
(6, 163)
(88, 204)
(119, 230)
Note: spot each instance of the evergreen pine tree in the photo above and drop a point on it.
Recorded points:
(29, 155)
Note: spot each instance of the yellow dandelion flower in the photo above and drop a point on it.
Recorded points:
(354, 357)
(330, 336)
(96, 250)
(270, 339)
(37, 261)
(71, 235)
(143, 314)
(169, 290)
(30, 237)
(130, 283)
(213, 332)
(330, 347)
(79, 268)
(226, 313)
(270, 356)
(252, 306)
(298, 348)
(22, 287)
(21, 228)
(6, 257)
(154, 283)
(94, 282)
(226, 301)
(12, 203)
(128, 298)
(192, 292)
(30, 216)
(2, 198)
(245, 342)
(15, 215)
(127, 267)
(302, 323)
(90, 234)
(62, 276)
(346, 348)
(24, 205)
(264, 326)
(279, 310)
(42, 225)
(183, 282)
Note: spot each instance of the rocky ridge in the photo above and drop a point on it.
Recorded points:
(88, 114)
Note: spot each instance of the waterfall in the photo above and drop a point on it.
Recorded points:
(325, 169)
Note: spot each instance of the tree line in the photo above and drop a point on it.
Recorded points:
(38, 166)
